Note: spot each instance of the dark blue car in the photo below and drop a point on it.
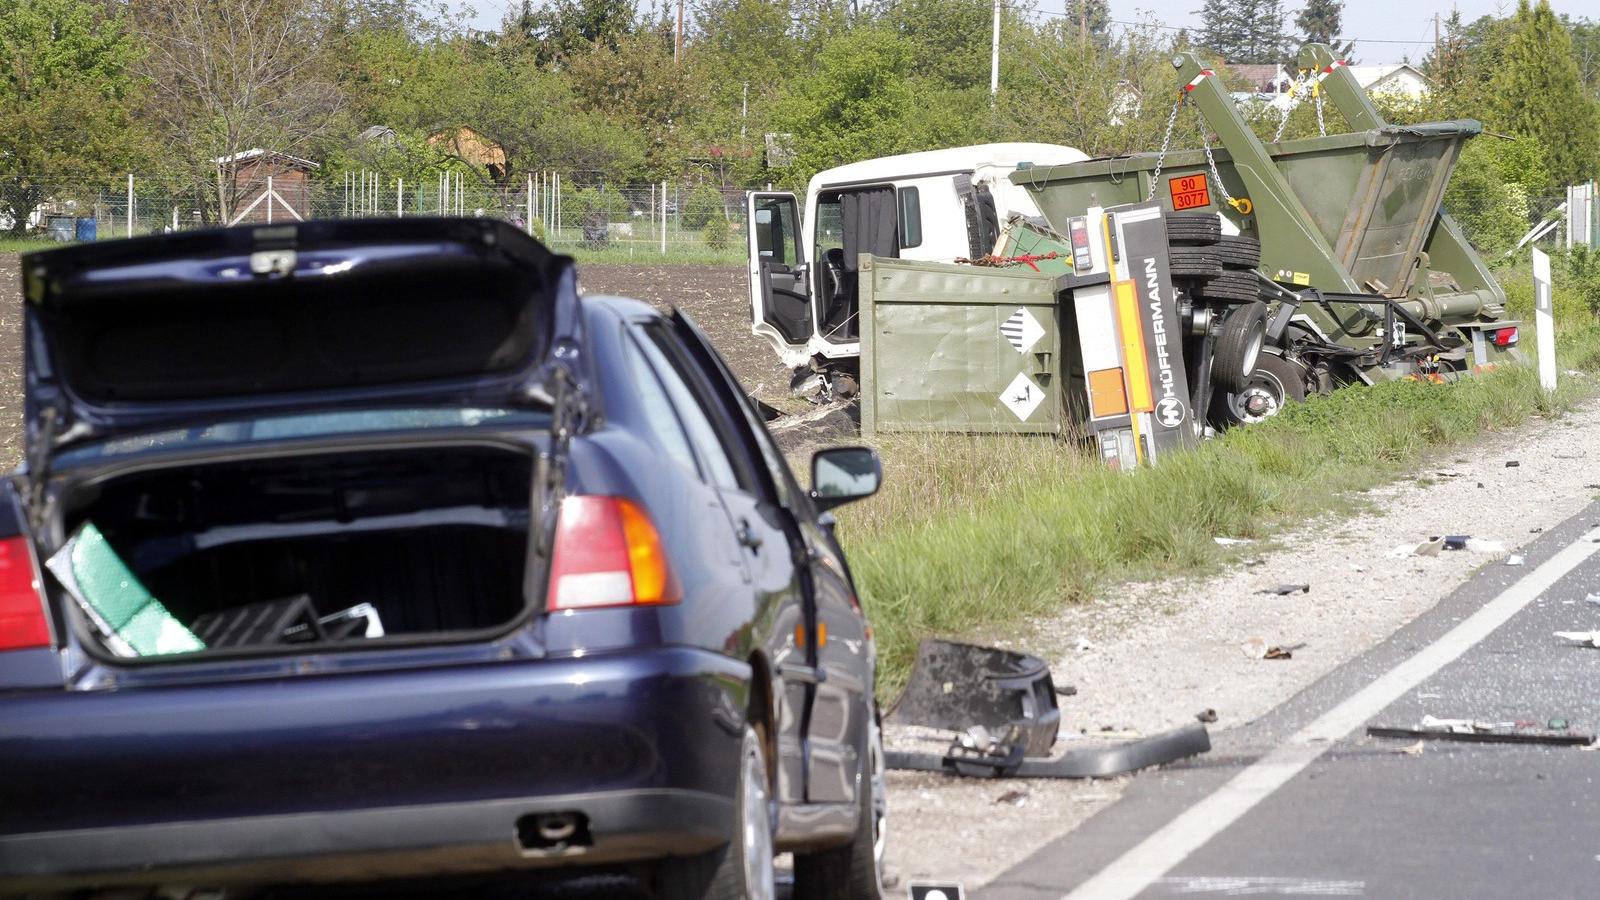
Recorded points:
(369, 550)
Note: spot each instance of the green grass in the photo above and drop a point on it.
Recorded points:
(692, 253)
(26, 244)
(974, 537)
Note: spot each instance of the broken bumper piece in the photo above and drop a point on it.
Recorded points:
(1008, 761)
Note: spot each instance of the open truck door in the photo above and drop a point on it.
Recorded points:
(780, 293)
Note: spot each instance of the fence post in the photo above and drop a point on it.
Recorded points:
(1544, 319)
(269, 199)
(663, 217)
(400, 198)
(130, 204)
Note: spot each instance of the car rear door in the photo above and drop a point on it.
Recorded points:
(837, 667)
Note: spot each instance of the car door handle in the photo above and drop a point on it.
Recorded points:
(801, 674)
(748, 536)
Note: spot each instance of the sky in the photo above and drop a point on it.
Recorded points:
(1382, 33)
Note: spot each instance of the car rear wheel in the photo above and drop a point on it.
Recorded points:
(855, 870)
(741, 870)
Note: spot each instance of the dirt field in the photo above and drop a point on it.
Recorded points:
(717, 299)
(10, 360)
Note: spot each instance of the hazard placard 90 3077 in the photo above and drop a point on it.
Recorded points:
(1189, 191)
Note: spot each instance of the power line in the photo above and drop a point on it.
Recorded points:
(1191, 28)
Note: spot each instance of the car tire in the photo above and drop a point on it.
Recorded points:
(1191, 229)
(1275, 383)
(855, 870)
(741, 869)
(1238, 348)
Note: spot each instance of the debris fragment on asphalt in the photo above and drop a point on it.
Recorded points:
(1592, 598)
(1257, 648)
(1413, 749)
(1207, 715)
(1514, 560)
(1482, 737)
(1280, 653)
(1066, 690)
(1231, 542)
(1512, 464)
(1284, 590)
(1592, 638)
(1478, 545)
(1558, 725)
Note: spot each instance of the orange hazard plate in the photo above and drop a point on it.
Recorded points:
(1189, 192)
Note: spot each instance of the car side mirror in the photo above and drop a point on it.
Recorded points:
(841, 475)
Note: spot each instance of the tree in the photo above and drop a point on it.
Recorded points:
(563, 27)
(639, 86)
(1537, 94)
(227, 76)
(1320, 21)
(1091, 18)
(1244, 31)
(65, 98)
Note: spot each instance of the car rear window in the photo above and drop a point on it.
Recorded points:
(305, 425)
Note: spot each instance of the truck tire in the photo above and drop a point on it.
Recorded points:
(741, 870)
(1238, 347)
(1193, 262)
(1275, 383)
(855, 870)
(1231, 286)
(1236, 251)
(1193, 229)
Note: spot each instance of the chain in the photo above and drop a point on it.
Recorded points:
(1316, 95)
(1205, 141)
(1166, 142)
(1288, 107)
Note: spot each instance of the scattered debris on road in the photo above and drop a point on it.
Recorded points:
(1515, 559)
(1481, 737)
(1283, 590)
(1592, 638)
(1206, 716)
(1412, 749)
(1257, 648)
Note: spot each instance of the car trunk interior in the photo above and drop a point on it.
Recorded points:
(281, 552)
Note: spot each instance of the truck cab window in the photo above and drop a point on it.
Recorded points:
(910, 218)
(775, 228)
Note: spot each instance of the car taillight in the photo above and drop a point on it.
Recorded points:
(608, 553)
(1505, 337)
(22, 617)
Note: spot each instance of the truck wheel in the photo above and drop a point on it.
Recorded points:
(1239, 347)
(855, 870)
(1230, 287)
(742, 870)
(1275, 382)
(1236, 251)
(1193, 229)
(1193, 262)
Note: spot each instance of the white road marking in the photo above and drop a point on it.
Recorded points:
(1256, 886)
(1155, 856)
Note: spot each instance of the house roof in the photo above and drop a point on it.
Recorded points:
(1262, 78)
(1367, 76)
(258, 153)
(377, 131)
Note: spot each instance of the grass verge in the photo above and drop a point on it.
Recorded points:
(26, 244)
(975, 537)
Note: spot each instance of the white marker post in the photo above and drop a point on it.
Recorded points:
(1544, 319)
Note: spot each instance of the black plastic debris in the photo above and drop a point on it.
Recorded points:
(1283, 590)
(958, 686)
(1002, 760)
(1512, 464)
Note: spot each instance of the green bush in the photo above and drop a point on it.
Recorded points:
(704, 204)
(577, 205)
(716, 232)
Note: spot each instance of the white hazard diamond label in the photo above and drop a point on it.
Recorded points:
(1022, 396)
(1022, 330)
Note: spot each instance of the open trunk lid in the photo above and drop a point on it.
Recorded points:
(186, 329)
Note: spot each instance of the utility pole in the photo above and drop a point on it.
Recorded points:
(994, 56)
(677, 44)
(1436, 36)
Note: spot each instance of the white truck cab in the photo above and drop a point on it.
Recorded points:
(938, 206)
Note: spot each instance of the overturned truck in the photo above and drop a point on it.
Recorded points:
(1140, 298)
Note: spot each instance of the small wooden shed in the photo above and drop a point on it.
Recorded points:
(267, 186)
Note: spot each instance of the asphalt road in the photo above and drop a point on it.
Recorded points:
(1304, 803)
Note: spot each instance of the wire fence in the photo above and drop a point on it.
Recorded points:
(668, 219)
(684, 220)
